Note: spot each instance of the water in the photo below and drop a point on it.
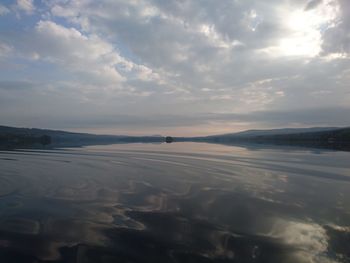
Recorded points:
(182, 202)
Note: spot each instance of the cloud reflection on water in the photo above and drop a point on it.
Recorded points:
(156, 205)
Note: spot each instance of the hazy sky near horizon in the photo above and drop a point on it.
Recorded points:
(175, 67)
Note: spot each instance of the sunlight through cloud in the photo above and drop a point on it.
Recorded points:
(306, 27)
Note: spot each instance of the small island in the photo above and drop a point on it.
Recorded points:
(169, 139)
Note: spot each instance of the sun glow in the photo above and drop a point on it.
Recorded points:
(305, 30)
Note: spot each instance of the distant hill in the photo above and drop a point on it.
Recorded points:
(251, 133)
(330, 137)
(11, 136)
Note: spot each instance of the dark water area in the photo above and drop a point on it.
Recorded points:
(182, 202)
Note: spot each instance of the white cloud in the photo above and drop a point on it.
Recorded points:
(189, 57)
(215, 46)
(26, 6)
(98, 60)
(77, 52)
(336, 38)
(304, 27)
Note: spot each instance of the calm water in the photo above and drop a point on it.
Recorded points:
(182, 202)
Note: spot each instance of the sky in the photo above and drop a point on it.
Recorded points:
(176, 67)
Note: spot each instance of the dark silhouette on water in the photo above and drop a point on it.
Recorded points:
(169, 139)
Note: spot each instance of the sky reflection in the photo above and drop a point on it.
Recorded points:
(174, 203)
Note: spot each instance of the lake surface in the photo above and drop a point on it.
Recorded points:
(179, 202)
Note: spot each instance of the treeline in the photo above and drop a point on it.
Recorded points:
(17, 139)
(13, 137)
(335, 136)
(334, 139)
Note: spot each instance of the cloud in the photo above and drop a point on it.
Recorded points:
(310, 238)
(88, 57)
(312, 4)
(5, 50)
(71, 49)
(4, 10)
(181, 58)
(89, 118)
(205, 44)
(16, 85)
(336, 38)
(26, 5)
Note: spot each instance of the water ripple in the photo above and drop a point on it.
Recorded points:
(150, 205)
